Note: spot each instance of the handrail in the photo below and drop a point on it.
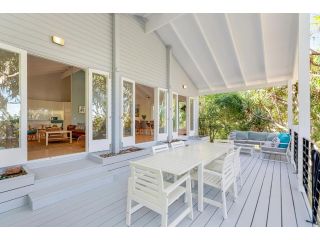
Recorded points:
(311, 177)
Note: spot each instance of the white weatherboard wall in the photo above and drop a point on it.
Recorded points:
(179, 78)
(88, 37)
(142, 57)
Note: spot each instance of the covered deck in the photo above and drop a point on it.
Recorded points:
(269, 197)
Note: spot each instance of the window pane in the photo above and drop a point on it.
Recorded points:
(127, 108)
(191, 114)
(99, 106)
(9, 100)
(174, 113)
(162, 111)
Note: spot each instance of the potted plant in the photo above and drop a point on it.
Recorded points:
(144, 116)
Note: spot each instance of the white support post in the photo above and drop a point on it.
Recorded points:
(290, 116)
(169, 80)
(303, 89)
(196, 116)
(116, 88)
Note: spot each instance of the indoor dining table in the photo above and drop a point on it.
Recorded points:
(182, 160)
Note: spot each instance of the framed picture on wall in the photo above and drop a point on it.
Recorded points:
(137, 110)
(82, 109)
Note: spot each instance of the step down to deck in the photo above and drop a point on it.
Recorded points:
(58, 192)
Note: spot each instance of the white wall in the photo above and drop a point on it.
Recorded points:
(142, 56)
(88, 37)
(179, 78)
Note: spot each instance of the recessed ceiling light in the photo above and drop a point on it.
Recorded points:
(57, 40)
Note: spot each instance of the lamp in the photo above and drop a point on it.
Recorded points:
(57, 40)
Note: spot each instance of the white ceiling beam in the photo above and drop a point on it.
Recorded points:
(264, 51)
(212, 54)
(274, 82)
(235, 47)
(69, 72)
(158, 20)
(191, 56)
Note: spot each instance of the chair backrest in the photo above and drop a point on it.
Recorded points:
(228, 170)
(146, 183)
(237, 163)
(178, 144)
(160, 148)
(143, 124)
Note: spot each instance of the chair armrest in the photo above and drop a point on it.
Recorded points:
(177, 183)
(212, 172)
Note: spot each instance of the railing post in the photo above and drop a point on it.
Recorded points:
(303, 89)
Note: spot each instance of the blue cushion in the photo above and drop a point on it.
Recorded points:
(284, 140)
(242, 135)
(257, 136)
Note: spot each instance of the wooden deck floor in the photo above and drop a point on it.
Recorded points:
(268, 197)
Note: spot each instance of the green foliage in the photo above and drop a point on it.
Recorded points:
(257, 110)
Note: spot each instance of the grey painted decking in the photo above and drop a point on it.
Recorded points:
(269, 197)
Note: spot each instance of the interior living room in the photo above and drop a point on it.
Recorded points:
(56, 116)
(182, 100)
(144, 113)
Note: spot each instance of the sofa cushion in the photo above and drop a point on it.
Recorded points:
(271, 136)
(241, 135)
(284, 140)
(257, 136)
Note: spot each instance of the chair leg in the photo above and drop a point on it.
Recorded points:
(128, 217)
(189, 196)
(224, 205)
(235, 190)
(164, 218)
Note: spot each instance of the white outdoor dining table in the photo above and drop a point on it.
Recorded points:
(182, 160)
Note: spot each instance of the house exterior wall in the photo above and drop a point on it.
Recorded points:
(142, 57)
(89, 42)
(179, 78)
(88, 37)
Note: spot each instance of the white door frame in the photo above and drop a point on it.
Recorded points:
(101, 144)
(161, 136)
(15, 156)
(175, 133)
(130, 140)
(191, 132)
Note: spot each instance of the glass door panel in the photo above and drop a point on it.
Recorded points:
(99, 110)
(174, 115)
(13, 99)
(128, 112)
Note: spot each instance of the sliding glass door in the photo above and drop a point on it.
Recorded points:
(162, 114)
(13, 105)
(191, 117)
(99, 110)
(175, 115)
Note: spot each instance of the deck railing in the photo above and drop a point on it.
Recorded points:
(311, 177)
(295, 149)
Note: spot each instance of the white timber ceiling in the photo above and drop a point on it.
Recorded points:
(230, 52)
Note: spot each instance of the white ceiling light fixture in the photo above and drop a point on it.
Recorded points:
(184, 86)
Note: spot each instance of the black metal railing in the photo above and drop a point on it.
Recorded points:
(315, 179)
(311, 177)
(307, 168)
(295, 149)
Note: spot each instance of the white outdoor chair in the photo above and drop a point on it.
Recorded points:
(223, 180)
(147, 188)
(160, 148)
(275, 151)
(178, 144)
(217, 164)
